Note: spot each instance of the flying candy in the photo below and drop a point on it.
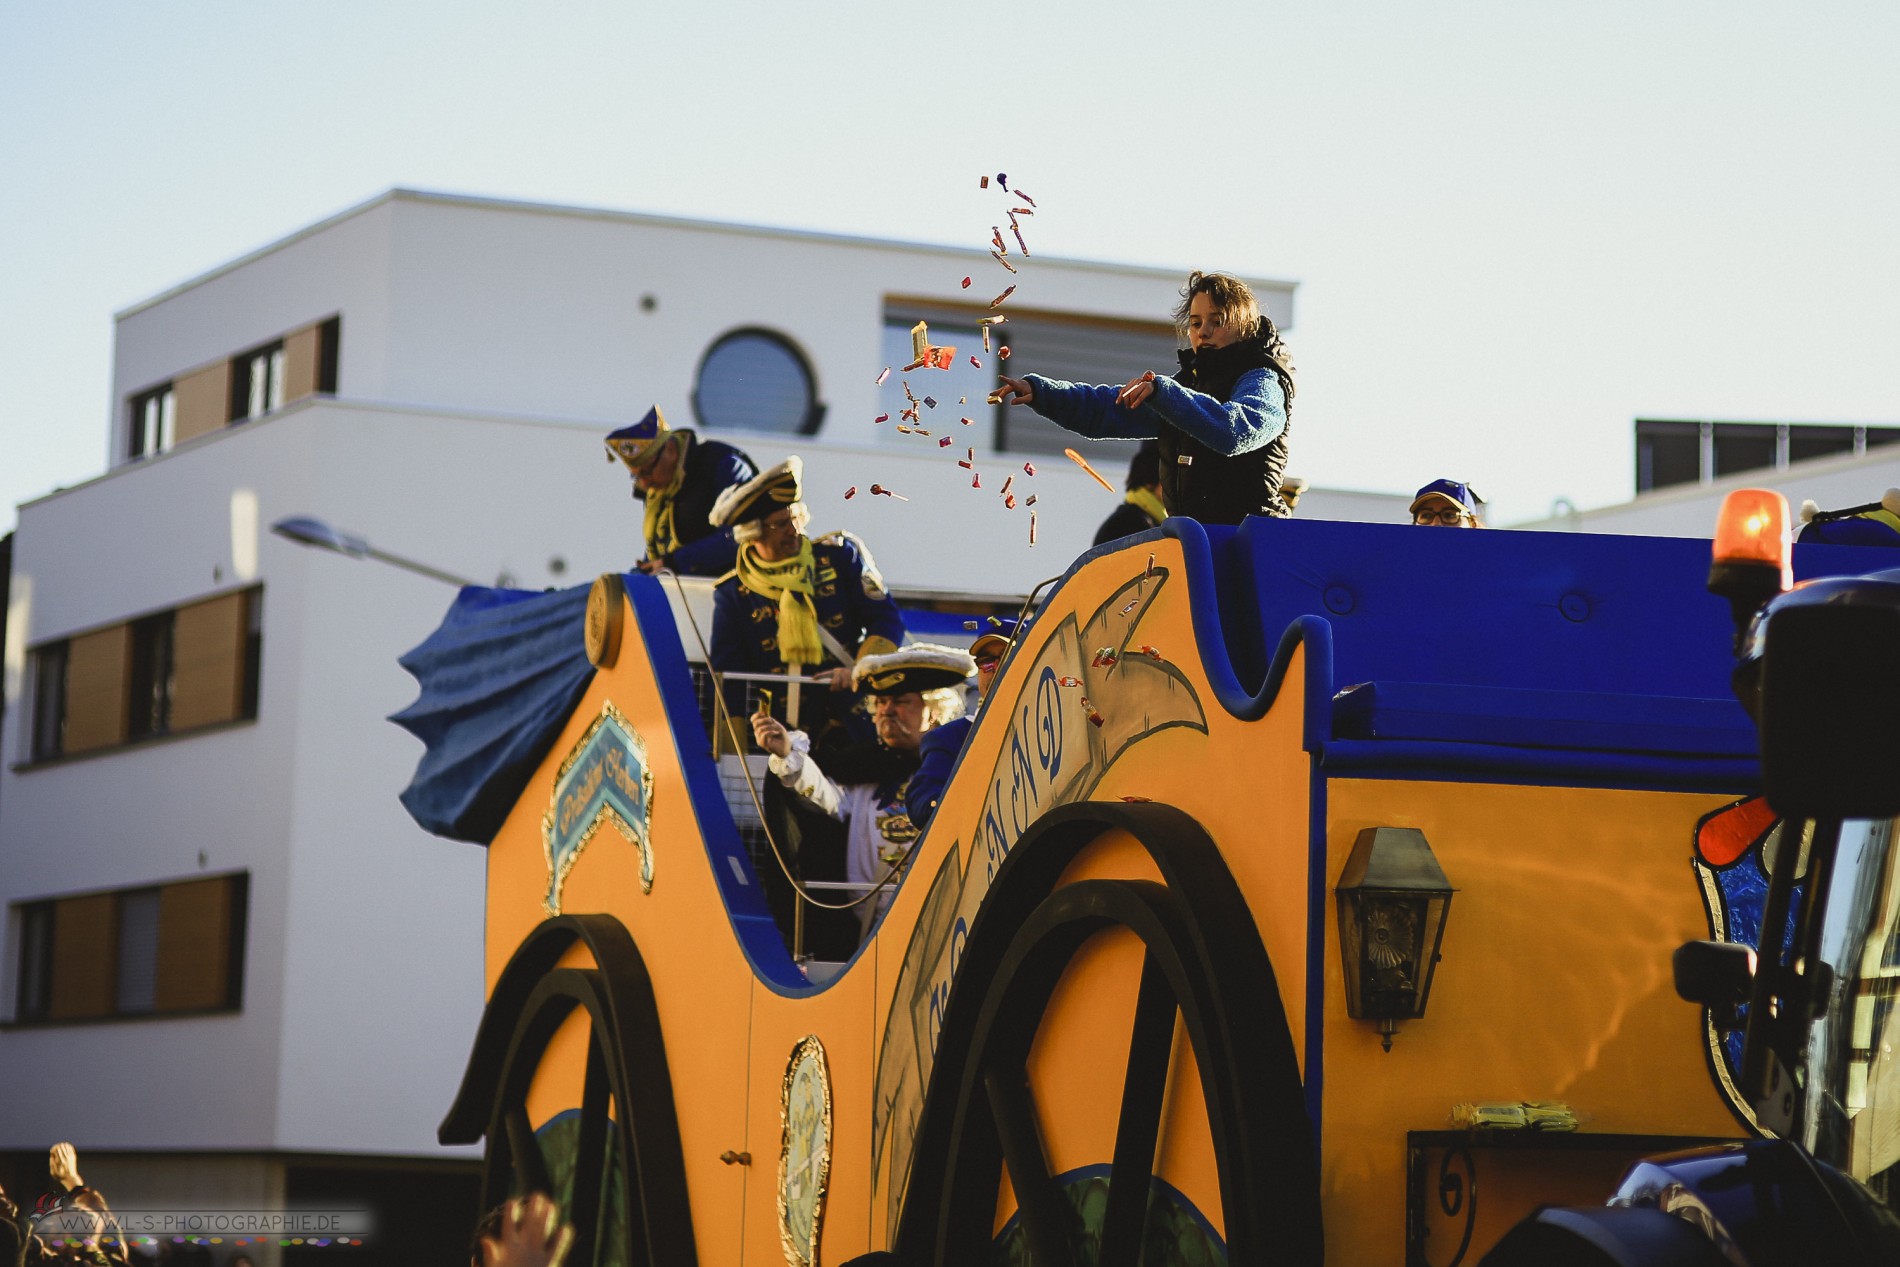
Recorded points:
(919, 431)
(1082, 462)
(944, 443)
(1029, 468)
(1131, 605)
(976, 363)
(902, 430)
(998, 301)
(1003, 180)
(851, 492)
(931, 401)
(1003, 352)
(966, 283)
(996, 398)
(878, 490)
(1150, 652)
(996, 238)
(1020, 244)
(1031, 500)
(1004, 491)
(984, 183)
(1009, 501)
(881, 377)
(1032, 525)
(998, 257)
(1025, 197)
(1068, 681)
(882, 418)
(1095, 718)
(976, 479)
(1105, 658)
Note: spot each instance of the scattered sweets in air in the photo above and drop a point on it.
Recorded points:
(1082, 462)
(1151, 566)
(851, 492)
(1095, 718)
(976, 479)
(1150, 652)
(1020, 244)
(1003, 180)
(998, 257)
(902, 430)
(1032, 526)
(1068, 681)
(998, 301)
(1004, 491)
(986, 338)
(984, 183)
(1029, 468)
(944, 443)
(964, 400)
(881, 377)
(996, 398)
(1025, 197)
(1131, 604)
(976, 364)
(919, 431)
(1009, 501)
(931, 401)
(1003, 352)
(1031, 501)
(968, 466)
(966, 283)
(1105, 658)
(882, 418)
(1138, 800)
(878, 490)
(996, 240)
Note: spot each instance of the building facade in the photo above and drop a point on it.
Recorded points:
(236, 971)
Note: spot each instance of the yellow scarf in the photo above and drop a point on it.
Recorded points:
(658, 528)
(789, 584)
(1150, 504)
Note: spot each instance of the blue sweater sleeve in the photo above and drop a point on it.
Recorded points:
(1252, 417)
(1089, 411)
(711, 555)
(728, 630)
(937, 756)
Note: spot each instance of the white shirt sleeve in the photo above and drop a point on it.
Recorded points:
(801, 774)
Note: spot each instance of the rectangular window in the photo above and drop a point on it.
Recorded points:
(154, 422)
(329, 341)
(149, 951)
(36, 961)
(1806, 443)
(49, 700)
(150, 712)
(1744, 446)
(257, 382)
(1667, 454)
(172, 671)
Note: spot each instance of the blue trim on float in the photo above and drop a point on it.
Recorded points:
(752, 923)
(1435, 760)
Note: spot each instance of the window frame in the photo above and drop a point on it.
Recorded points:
(246, 405)
(815, 407)
(140, 442)
(46, 692)
(34, 929)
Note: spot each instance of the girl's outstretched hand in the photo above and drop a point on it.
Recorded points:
(1015, 391)
(1137, 391)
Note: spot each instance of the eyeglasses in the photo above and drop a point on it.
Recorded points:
(783, 519)
(988, 661)
(1450, 516)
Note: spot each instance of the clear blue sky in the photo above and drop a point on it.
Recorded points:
(1517, 226)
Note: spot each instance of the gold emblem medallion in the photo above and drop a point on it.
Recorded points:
(804, 1159)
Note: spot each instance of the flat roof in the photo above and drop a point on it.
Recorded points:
(655, 221)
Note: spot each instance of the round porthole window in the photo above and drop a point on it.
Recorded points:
(755, 380)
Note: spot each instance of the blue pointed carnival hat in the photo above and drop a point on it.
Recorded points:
(638, 444)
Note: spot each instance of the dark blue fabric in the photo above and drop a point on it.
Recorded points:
(499, 680)
(937, 756)
(711, 468)
(1855, 531)
(745, 625)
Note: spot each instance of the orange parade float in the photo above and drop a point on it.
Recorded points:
(1366, 841)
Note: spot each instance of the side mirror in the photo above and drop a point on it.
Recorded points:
(1830, 703)
(1719, 975)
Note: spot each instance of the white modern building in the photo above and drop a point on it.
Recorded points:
(236, 974)
(1685, 469)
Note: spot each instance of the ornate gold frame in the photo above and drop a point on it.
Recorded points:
(808, 1048)
(641, 840)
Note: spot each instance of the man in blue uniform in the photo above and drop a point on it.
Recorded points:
(678, 477)
(938, 751)
(792, 604)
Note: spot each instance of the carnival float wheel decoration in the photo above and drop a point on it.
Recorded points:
(627, 1159)
(1203, 961)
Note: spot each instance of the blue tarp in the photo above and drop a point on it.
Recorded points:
(499, 679)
